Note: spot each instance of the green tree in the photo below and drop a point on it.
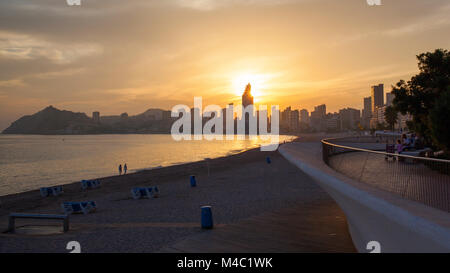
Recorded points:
(422, 94)
(440, 122)
(391, 116)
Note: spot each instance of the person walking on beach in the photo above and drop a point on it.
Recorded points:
(120, 169)
(125, 168)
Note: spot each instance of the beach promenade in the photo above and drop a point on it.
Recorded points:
(374, 213)
(257, 207)
(414, 181)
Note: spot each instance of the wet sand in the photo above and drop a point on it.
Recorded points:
(239, 188)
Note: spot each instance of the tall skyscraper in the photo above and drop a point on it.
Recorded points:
(367, 112)
(377, 96)
(247, 98)
(389, 99)
(368, 105)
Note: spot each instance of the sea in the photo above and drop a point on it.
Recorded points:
(29, 162)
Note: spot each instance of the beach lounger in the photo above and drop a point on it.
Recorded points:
(147, 192)
(79, 207)
(55, 191)
(90, 184)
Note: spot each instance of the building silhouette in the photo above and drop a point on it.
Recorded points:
(96, 116)
(367, 112)
(304, 116)
(247, 98)
(294, 120)
(389, 99)
(377, 96)
(349, 118)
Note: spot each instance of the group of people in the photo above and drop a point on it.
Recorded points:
(408, 143)
(125, 169)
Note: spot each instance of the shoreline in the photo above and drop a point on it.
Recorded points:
(13, 200)
(239, 187)
(16, 181)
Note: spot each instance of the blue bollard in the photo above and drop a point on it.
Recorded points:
(193, 181)
(268, 160)
(207, 220)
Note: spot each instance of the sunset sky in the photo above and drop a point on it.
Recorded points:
(117, 56)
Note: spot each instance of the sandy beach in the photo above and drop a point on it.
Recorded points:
(238, 188)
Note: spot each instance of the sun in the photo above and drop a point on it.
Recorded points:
(257, 81)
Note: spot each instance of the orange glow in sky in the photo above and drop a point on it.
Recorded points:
(129, 57)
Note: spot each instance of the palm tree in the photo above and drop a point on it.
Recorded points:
(390, 115)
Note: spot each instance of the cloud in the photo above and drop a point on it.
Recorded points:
(12, 83)
(60, 73)
(26, 47)
(436, 20)
(215, 4)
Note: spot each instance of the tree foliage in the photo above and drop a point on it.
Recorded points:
(425, 97)
(440, 122)
(391, 116)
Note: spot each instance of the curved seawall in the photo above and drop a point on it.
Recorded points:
(399, 225)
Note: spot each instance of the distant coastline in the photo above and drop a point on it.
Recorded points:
(52, 121)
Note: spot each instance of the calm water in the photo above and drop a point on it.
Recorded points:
(29, 162)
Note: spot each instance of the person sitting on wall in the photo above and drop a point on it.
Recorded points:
(399, 149)
(399, 146)
(407, 143)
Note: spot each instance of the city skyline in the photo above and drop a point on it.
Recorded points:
(118, 58)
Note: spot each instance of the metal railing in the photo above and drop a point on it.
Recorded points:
(421, 179)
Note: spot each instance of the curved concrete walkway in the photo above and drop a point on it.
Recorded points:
(318, 227)
(399, 225)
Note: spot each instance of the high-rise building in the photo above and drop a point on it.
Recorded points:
(304, 116)
(321, 110)
(368, 105)
(367, 112)
(294, 120)
(333, 122)
(349, 118)
(247, 98)
(389, 99)
(377, 96)
(285, 118)
(317, 120)
(96, 116)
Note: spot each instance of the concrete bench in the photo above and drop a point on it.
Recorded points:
(13, 216)
(416, 152)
